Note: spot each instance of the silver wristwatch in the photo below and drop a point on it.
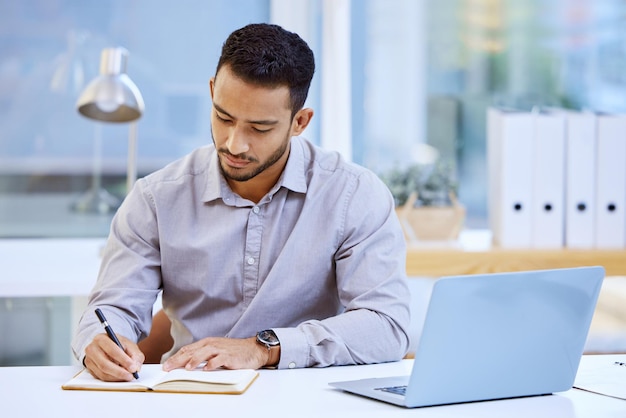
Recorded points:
(267, 338)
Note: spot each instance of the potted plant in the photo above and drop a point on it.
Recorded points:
(426, 201)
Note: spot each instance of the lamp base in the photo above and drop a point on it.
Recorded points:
(97, 201)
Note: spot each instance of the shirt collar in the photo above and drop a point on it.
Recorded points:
(292, 178)
(216, 184)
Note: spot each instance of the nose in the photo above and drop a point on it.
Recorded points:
(237, 142)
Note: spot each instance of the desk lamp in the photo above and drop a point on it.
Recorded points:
(112, 97)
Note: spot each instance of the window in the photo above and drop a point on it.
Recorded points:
(49, 50)
(418, 72)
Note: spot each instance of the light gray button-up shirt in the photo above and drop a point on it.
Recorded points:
(320, 260)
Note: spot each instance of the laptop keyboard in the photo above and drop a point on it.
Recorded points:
(398, 390)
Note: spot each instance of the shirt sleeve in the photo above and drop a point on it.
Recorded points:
(129, 279)
(370, 266)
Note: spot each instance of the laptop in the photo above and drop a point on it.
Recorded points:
(495, 336)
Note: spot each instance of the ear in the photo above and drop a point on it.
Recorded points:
(212, 86)
(301, 121)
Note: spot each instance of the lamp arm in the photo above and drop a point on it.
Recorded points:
(131, 166)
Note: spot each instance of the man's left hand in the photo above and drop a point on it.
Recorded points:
(229, 353)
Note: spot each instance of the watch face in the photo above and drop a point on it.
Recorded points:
(268, 337)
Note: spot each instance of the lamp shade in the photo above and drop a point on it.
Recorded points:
(112, 96)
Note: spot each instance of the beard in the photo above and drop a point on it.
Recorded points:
(242, 174)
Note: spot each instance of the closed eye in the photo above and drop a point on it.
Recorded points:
(221, 119)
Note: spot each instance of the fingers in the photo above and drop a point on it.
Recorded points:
(133, 351)
(237, 354)
(228, 353)
(106, 361)
(189, 356)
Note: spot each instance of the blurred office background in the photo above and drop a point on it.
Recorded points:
(391, 75)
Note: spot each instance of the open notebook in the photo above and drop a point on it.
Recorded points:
(153, 378)
(494, 336)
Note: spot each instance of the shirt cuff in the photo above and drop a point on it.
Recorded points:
(294, 348)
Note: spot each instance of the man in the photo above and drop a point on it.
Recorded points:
(269, 251)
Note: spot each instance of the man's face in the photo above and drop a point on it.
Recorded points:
(251, 127)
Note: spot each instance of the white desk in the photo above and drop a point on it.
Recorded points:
(36, 392)
(51, 268)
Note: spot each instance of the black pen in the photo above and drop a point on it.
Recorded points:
(111, 334)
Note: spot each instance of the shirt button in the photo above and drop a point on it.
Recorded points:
(292, 365)
(255, 209)
(250, 261)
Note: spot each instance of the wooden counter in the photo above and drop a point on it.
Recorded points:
(473, 254)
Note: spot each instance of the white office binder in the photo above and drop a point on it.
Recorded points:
(510, 150)
(611, 182)
(580, 179)
(548, 180)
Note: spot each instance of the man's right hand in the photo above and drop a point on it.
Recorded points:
(106, 361)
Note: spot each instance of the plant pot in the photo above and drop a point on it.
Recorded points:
(431, 223)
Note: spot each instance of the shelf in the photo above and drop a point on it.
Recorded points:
(473, 254)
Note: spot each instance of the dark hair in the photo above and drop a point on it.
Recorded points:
(271, 56)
